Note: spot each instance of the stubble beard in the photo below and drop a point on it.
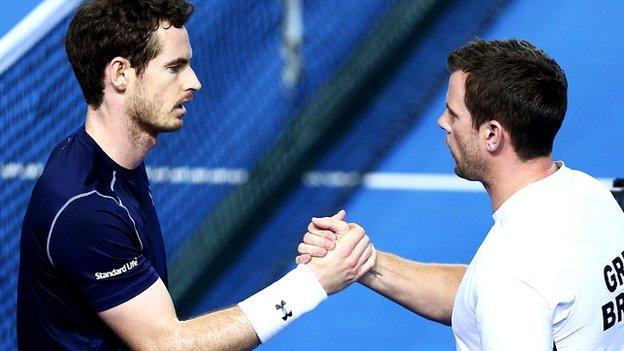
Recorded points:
(146, 117)
(469, 164)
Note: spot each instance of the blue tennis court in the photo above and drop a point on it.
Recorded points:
(388, 165)
(448, 226)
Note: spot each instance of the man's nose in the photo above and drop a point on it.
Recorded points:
(443, 122)
(193, 83)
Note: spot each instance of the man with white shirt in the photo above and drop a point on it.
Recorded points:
(550, 272)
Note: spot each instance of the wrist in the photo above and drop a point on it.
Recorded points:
(373, 274)
(368, 278)
(282, 302)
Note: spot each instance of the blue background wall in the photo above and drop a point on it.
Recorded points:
(584, 37)
(12, 11)
(448, 226)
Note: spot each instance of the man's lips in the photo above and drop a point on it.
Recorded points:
(180, 105)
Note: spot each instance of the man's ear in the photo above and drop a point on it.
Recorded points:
(117, 73)
(494, 135)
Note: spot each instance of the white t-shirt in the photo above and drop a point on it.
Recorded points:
(550, 268)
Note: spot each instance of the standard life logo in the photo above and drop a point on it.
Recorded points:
(117, 271)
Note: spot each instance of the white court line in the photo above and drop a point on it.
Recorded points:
(174, 175)
(391, 181)
(32, 28)
(196, 175)
(328, 179)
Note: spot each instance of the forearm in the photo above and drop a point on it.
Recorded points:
(426, 289)
(226, 329)
(149, 322)
(242, 327)
(259, 317)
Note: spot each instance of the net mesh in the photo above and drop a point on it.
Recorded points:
(229, 125)
(377, 116)
(243, 110)
(38, 106)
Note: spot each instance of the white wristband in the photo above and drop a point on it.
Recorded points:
(279, 304)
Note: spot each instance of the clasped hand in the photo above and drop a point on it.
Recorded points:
(338, 252)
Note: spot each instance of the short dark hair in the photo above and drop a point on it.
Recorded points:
(517, 84)
(104, 29)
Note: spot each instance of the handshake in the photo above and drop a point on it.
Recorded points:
(337, 252)
(333, 255)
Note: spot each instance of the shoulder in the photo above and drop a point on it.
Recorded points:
(561, 204)
(574, 189)
(72, 172)
(89, 208)
(87, 221)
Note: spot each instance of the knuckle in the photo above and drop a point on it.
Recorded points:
(301, 248)
(330, 244)
(366, 240)
(308, 238)
(322, 243)
(319, 241)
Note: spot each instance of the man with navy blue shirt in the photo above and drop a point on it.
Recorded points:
(93, 269)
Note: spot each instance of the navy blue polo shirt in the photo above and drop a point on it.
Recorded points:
(90, 241)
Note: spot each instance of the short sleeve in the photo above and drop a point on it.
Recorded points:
(94, 245)
(513, 316)
(514, 310)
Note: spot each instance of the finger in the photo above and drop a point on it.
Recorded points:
(350, 239)
(361, 246)
(365, 255)
(335, 225)
(328, 234)
(340, 215)
(312, 239)
(369, 264)
(311, 250)
(303, 259)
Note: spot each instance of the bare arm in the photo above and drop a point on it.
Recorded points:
(426, 289)
(149, 322)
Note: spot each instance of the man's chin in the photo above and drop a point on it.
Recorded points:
(173, 127)
(155, 130)
(466, 175)
(458, 172)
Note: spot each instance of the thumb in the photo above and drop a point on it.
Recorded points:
(352, 236)
(340, 215)
(330, 223)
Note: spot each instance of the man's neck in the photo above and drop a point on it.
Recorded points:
(513, 176)
(117, 136)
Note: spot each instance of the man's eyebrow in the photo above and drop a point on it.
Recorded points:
(177, 62)
(450, 110)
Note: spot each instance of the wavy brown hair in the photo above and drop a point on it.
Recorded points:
(104, 29)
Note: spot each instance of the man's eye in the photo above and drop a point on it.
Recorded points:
(174, 69)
